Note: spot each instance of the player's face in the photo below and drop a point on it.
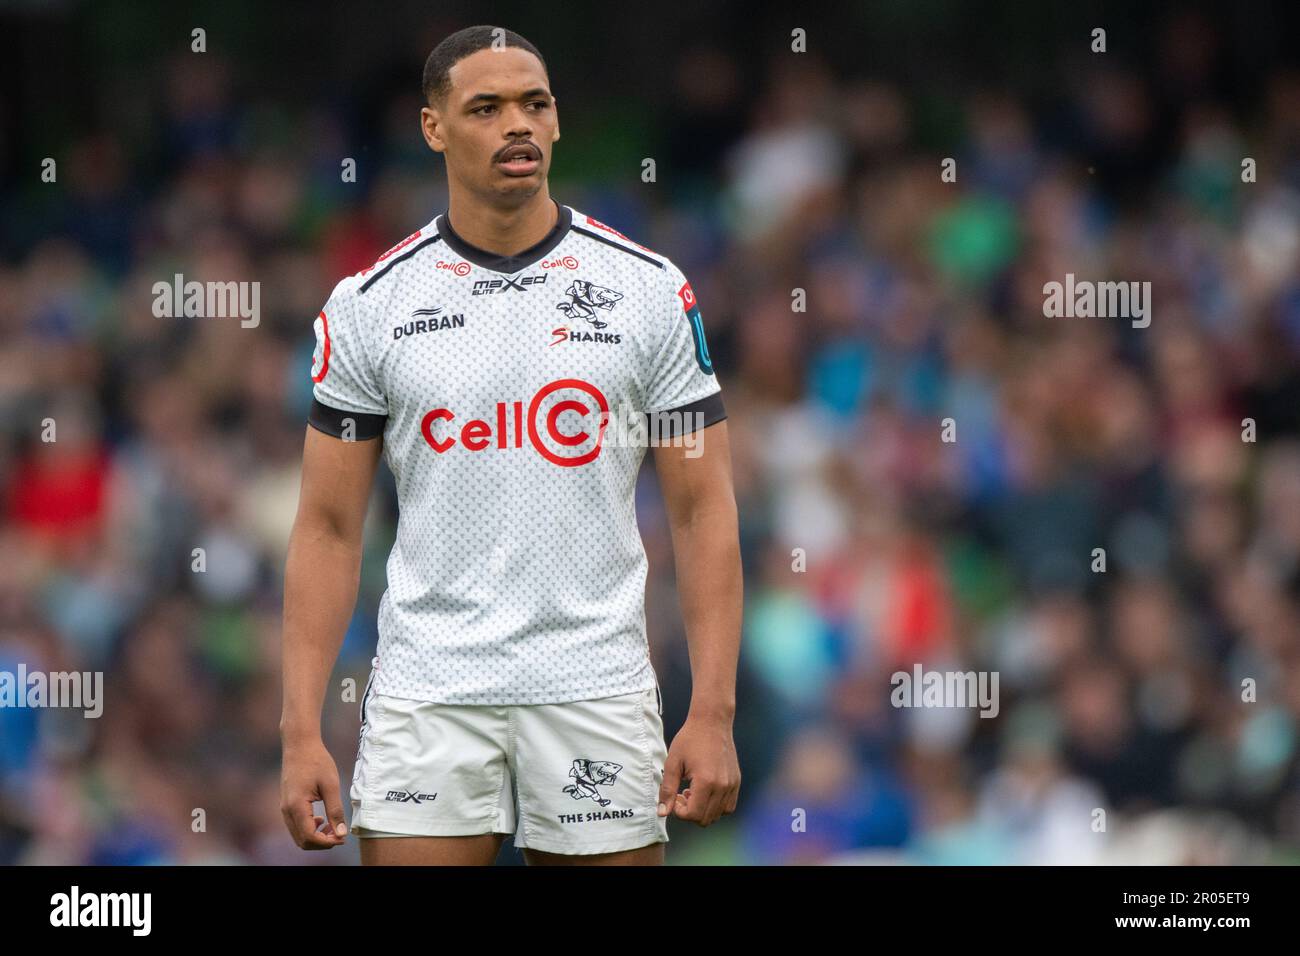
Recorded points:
(498, 124)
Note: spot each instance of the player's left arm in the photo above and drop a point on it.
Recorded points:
(695, 478)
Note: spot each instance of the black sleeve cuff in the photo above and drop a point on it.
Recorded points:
(333, 421)
(675, 422)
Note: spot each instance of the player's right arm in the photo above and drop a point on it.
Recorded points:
(323, 567)
(321, 578)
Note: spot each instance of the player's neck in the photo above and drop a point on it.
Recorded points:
(503, 231)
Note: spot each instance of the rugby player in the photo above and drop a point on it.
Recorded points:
(488, 357)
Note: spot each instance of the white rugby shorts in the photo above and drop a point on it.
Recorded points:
(577, 777)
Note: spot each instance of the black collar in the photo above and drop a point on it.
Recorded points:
(494, 260)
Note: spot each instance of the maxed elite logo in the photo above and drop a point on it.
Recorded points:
(505, 284)
(410, 796)
(569, 443)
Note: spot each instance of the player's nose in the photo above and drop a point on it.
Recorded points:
(518, 132)
(517, 122)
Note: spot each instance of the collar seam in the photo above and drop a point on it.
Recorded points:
(496, 262)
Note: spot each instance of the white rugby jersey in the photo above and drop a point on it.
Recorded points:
(518, 573)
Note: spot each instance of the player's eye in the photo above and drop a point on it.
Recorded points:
(482, 108)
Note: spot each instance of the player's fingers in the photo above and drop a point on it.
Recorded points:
(322, 836)
(314, 839)
(299, 817)
(668, 789)
(696, 801)
(296, 815)
(712, 801)
(728, 796)
(329, 791)
(733, 797)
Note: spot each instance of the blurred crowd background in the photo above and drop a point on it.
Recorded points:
(1120, 691)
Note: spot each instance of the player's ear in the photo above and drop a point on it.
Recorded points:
(555, 99)
(429, 123)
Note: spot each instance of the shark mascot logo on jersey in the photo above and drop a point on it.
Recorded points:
(588, 775)
(586, 299)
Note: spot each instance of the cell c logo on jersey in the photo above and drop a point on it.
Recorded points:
(560, 443)
(461, 268)
(561, 262)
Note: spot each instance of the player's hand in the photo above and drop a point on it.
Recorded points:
(308, 774)
(703, 754)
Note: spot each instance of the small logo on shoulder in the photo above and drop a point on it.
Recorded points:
(691, 306)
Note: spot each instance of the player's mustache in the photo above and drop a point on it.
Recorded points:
(529, 144)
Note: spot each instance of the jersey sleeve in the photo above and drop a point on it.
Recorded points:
(347, 399)
(682, 380)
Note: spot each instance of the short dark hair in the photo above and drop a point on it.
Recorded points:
(437, 68)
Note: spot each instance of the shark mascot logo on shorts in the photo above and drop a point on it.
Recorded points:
(588, 775)
(586, 299)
